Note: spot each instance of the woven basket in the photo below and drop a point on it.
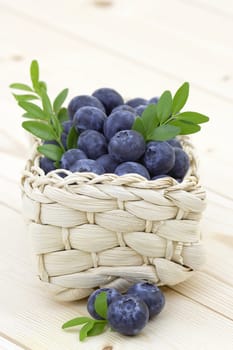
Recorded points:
(91, 231)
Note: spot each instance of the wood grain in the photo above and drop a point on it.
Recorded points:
(138, 51)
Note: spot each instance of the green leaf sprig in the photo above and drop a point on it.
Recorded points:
(45, 121)
(165, 120)
(91, 326)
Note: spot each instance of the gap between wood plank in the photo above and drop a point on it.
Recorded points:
(110, 51)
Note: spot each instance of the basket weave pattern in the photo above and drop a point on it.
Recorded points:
(89, 231)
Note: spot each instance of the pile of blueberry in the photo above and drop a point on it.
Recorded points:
(107, 143)
(128, 314)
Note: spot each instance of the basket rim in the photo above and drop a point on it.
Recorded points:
(36, 176)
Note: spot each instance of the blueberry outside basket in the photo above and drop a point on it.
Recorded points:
(90, 231)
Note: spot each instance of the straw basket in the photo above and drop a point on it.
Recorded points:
(90, 231)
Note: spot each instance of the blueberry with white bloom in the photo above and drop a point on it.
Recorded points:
(87, 165)
(89, 118)
(110, 98)
(132, 168)
(83, 101)
(126, 145)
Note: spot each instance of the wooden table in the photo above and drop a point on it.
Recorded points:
(139, 48)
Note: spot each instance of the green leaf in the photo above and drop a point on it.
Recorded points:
(34, 110)
(34, 72)
(56, 125)
(39, 129)
(139, 127)
(186, 127)
(85, 329)
(46, 103)
(164, 106)
(52, 152)
(194, 117)
(29, 97)
(164, 132)
(101, 305)
(76, 322)
(63, 115)
(149, 118)
(19, 86)
(72, 138)
(180, 98)
(59, 100)
(97, 328)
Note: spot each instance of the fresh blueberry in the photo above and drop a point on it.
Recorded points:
(159, 177)
(82, 101)
(92, 143)
(64, 139)
(91, 118)
(154, 100)
(67, 125)
(130, 168)
(47, 164)
(87, 165)
(174, 143)
(128, 315)
(150, 294)
(108, 163)
(124, 108)
(159, 157)
(181, 165)
(135, 102)
(51, 142)
(109, 98)
(140, 109)
(117, 121)
(71, 156)
(111, 293)
(126, 145)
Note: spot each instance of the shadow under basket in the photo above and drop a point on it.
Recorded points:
(90, 231)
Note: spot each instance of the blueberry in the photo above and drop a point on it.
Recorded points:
(67, 125)
(128, 315)
(51, 142)
(140, 109)
(87, 165)
(82, 101)
(132, 167)
(92, 143)
(112, 294)
(154, 100)
(150, 294)
(135, 102)
(109, 98)
(159, 157)
(71, 156)
(181, 165)
(159, 177)
(108, 163)
(47, 164)
(124, 108)
(64, 139)
(174, 143)
(126, 145)
(89, 118)
(117, 121)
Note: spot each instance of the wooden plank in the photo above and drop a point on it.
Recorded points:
(225, 8)
(8, 345)
(212, 42)
(36, 320)
(78, 52)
